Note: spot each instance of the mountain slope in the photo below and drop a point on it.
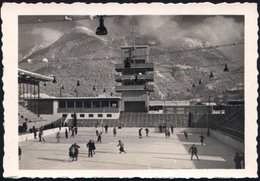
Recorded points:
(81, 55)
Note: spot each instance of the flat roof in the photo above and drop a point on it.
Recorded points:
(31, 75)
(169, 103)
(136, 46)
(76, 98)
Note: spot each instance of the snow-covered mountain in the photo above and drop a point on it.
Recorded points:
(82, 55)
(189, 43)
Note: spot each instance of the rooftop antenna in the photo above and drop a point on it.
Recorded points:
(134, 32)
(134, 40)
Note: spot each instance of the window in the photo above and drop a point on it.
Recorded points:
(181, 110)
(91, 115)
(70, 104)
(62, 104)
(82, 115)
(104, 103)
(87, 104)
(109, 115)
(114, 104)
(100, 115)
(79, 104)
(96, 104)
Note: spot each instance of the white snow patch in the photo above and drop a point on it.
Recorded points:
(159, 74)
(45, 60)
(32, 50)
(184, 66)
(29, 60)
(194, 43)
(210, 86)
(159, 91)
(86, 30)
(66, 18)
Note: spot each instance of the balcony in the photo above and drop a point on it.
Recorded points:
(146, 78)
(88, 110)
(134, 87)
(136, 66)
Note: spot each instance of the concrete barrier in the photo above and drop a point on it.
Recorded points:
(30, 136)
(188, 130)
(228, 140)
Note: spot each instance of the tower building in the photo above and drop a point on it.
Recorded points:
(134, 78)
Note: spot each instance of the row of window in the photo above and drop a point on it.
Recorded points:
(88, 104)
(92, 115)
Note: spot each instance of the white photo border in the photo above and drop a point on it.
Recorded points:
(10, 13)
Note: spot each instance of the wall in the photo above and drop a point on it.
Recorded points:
(228, 140)
(131, 96)
(217, 135)
(55, 106)
(30, 136)
(95, 115)
(188, 130)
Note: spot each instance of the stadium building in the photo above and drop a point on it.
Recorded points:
(134, 78)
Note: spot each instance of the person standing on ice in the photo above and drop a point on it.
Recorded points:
(58, 136)
(185, 135)
(146, 131)
(140, 132)
(202, 139)
(114, 131)
(99, 137)
(19, 152)
(76, 152)
(238, 159)
(106, 128)
(66, 133)
(121, 147)
(193, 150)
(90, 148)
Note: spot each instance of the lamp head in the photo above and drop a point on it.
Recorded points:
(101, 29)
(54, 80)
(78, 83)
(211, 75)
(226, 69)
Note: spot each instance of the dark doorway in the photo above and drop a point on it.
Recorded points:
(135, 106)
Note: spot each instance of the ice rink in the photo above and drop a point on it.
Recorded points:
(153, 152)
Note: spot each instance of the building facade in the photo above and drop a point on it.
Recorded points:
(134, 78)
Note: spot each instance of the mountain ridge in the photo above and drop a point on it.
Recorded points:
(80, 55)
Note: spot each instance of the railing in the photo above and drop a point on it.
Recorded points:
(120, 78)
(88, 110)
(133, 119)
(146, 66)
(133, 87)
(239, 135)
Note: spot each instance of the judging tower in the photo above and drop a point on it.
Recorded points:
(134, 78)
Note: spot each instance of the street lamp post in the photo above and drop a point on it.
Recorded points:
(94, 90)
(164, 109)
(78, 84)
(61, 88)
(76, 91)
(38, 104)
(211, 76)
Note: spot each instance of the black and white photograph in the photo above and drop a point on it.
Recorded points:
(165, 94)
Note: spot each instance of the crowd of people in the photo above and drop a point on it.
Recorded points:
(74, 148)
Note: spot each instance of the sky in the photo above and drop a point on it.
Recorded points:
(215, 30)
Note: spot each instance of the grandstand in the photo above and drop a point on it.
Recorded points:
(132, 109)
